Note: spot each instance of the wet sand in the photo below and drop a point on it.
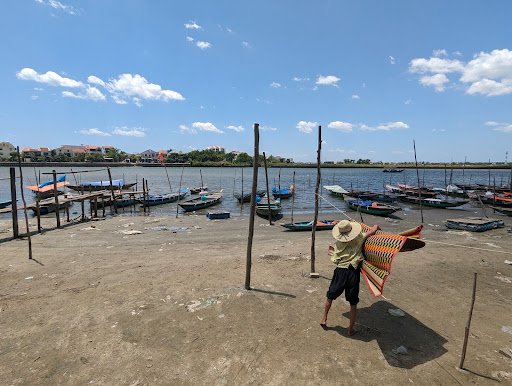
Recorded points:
(167, 306)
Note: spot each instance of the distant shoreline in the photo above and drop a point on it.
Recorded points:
(273, 165)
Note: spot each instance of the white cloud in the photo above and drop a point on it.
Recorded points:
(298, 79)
(275, 85)
(34, 97)
(190, 39)
(203, 45)
(130, 131)
(329, 80)
(136, 86)
(439, 52)
(435, 65)
(385, 126)
(268, 128)
(392, 60)
(497, 126)
(489, 87)
(238, 129)
(438, 81)
(438, 130)
(206, 126)
(246, 45)
(306, 127)
(192, 25)
(355, 96)
(50, 78)
(341, 126)
(187, 130)
(407, 102)
(95, 80)
(59, 6)
(91, 93)
(95, 131)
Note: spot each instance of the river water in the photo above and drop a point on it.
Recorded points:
(230, 181)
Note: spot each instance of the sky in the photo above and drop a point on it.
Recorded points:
(183, 75)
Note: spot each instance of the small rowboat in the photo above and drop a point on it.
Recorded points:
(262, 208)
(433, 202)
(283, 193)
(474, 224)
(372, 207)
(308, 225)
(46, 208)
(204, 201)
(198, 189)
(95, 186)
(5, 204)
(507, 211)
(336, 190)
(247, 196)
(218, 214)
(164, 198)
(415, 191)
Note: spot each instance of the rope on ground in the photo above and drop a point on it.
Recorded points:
(78, 172)
(335, 207)
(467, 246)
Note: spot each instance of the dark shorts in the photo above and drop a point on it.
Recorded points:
(345, 279)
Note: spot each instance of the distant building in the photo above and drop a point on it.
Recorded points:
(149, 156)
(92, 149)
(33, 153)
(219, 149)
(71, 150)
(6, 149)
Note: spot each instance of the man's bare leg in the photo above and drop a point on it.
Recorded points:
(353, 314)
(327, 307)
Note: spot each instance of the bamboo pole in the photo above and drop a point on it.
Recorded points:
(179, 189)
(268, 191)
(293, 195)
(418, 175)
(24, 206)
(468, 324)
(14, 204)
(255, 164)
(315, 219)
(56, 197)
(113, 197)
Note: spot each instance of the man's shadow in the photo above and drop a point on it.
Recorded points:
(375, 322)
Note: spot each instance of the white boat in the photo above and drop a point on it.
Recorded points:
(336, 190)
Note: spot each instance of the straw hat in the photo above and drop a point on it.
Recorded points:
(346, 230)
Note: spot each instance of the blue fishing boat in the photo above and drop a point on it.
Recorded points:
(153, 200)
(283, 193)
(101, 185)
(204, 201)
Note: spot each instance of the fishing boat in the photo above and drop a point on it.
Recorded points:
(451, 190)
(415, 191)
(496, 200)
(263, 210)
(5, 204)
(201, 202)
(392, 170)
(474, 224)
(218, 214)
(283, 193)
(372, 207)
(247, 196)
(506, 211)
(393, 189)
(336, 190)
(153, 200)
(433, 202)
(198, 189)
(46, 189)
(94, 186)
(126, 202)
(48, 207)
(308, 225)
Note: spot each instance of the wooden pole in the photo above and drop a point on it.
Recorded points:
(293, 196)
(103, 205)
(489, 168)
(242, 200)
(14, 204)
(201, 174)
(38, 214)
(268, 190)
(418, 176)
(279, 180)
(179, 189)
(317, 188)
(113, 197)
(468, 324)
(82, 204)
(56, 197)
(255, 163)
(24, 206)
(144, 195)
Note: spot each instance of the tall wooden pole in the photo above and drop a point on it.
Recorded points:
(489, 184)
(255, 163)
(242, 201)
(201, 174)
(468, 324)
(317, 189)
(418, 176)
(24, 206)
(113, 197)
(268, 191)
(279, 180)
(293, 196)
(14, 204)
(179, 189)
(56, 197)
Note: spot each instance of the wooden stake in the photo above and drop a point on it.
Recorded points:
(14, 204)
(418, 175)
(468, 324)
(293, 196)
(56, 197)
(144, 195)
(268, 190)
(279, 180)
(113, 197)
(255, 163)
(179, 189)
(242, 201)
(38, 214)
(315, 219)
(24, 206)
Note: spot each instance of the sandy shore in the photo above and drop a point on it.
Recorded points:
(167, 306)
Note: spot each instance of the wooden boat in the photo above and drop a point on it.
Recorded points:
(126, 202)
(308, 225)
(95, 186)
(372, 207)
(336, 190)
(161, 199)
(46, 189)
(218, 214)
(49, 207)
(262, 208)
(201, 202)
(415, 191)
(198, 189)
(393, 189)
(247, 196)
(283, 193)
(507, 211)
(474, 224)
(496, 200)
(433, 202)
(5, 204)
(392, 170)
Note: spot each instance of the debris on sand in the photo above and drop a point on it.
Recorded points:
(131, 232)
(509, 262)
(507, 329)
(504, 279)
(168, 228)
(402, 350)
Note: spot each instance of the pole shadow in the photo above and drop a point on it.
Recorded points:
(422, 343)
(273, 292)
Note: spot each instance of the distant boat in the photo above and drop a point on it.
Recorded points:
(201, 202)
(46, 189)
(46, 208)
(433, 202)
(415, 191)
(507, 211)
(283, 193)
(372, 207)
(198, 189)
(247, 196)
(393, 170)
(496, 200)
(308, 225)
(336, 190)
(94, 186)
(161, 199)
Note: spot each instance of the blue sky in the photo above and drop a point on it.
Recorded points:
(186, 75)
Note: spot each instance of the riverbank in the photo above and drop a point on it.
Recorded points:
(105, 304)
